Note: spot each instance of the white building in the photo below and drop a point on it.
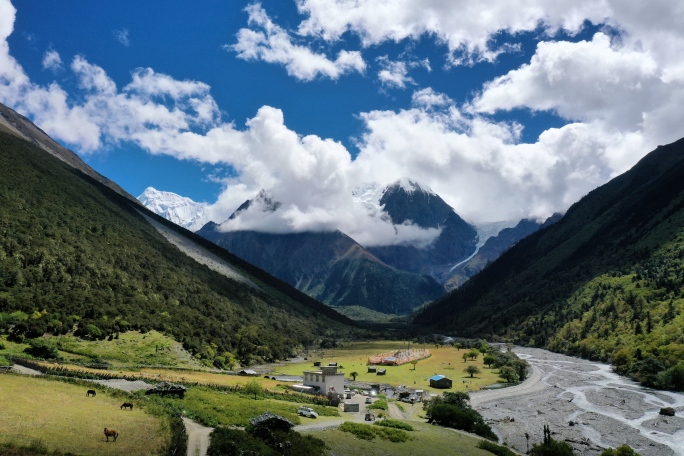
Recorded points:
(324, 381)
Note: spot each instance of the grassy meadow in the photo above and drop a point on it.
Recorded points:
(445, 360)
(424, 440)
(61, 417)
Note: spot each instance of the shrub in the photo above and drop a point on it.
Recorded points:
(380, 404)
(622, 450)
(4, 361)
(235, 442)
(465, 419)
(366, 432)
(492, 447)
(41, 348)
(395, 424)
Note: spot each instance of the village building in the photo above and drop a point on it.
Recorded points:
(325, 381)
(440, 381)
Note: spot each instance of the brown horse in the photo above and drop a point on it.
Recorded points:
(90, 393)
(111, 433)
(127, 405)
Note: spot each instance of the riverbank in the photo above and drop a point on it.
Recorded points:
(585, 404)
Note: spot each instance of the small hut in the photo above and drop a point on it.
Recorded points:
(271, 422)
(440, 381)
(372, 369)
(248, 373)
(382, 371)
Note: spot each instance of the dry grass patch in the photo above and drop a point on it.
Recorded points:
(61, 417)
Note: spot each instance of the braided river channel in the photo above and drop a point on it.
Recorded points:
(585, 404)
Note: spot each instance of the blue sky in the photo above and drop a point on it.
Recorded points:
(507, 111)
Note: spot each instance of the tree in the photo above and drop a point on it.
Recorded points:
(509, 347)
(489, 360)
(551, 447)
(509, 374)
(457, 346)
(473, 353)
(253, 387)
(622, 450)
(414, 362)
(472, 370)
(465, 357)
(353, 375)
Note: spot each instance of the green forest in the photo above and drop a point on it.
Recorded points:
(75, 255)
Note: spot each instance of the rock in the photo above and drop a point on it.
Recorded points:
(667, 411)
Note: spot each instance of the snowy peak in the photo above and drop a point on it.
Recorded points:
(178, 209)
(409, 186)
(263, 202)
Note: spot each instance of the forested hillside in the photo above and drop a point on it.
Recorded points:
(76, 254)
(605, 282)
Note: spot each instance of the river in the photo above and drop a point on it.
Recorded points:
(585, 404)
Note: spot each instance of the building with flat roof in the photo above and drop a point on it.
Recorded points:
(326, 380)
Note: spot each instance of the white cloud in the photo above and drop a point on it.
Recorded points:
(52, 61)
(122, 36)
(429, 98)
(393, 74)
(620, 98)
(273, 44)
(587, 80)
(466, 27)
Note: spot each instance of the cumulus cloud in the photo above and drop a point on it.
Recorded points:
(52, 61)
(581, 81)
(122, 36)
(466, 27)
(271, 43)
(620, 98)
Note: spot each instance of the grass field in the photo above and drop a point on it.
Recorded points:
(131, 349)
(426, 440)
(61, 417)
(445, 361)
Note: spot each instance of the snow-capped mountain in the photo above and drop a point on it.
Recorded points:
(178, 209)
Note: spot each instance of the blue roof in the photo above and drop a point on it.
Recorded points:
(437, 377)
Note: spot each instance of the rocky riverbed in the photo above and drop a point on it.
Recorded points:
(585, 404)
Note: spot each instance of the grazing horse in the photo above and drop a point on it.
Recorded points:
(127, 405)
(91, 393)
(111, 433)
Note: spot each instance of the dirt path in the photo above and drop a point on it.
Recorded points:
(394, 412)
(318, 426)
(25, 370)
(198, 437)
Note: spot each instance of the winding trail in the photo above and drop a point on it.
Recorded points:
(198, 437)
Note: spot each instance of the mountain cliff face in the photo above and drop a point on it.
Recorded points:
(178, 209)
(73, 251)
(603, 282)
(406, 201)
(492, 249)
(329, 266)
